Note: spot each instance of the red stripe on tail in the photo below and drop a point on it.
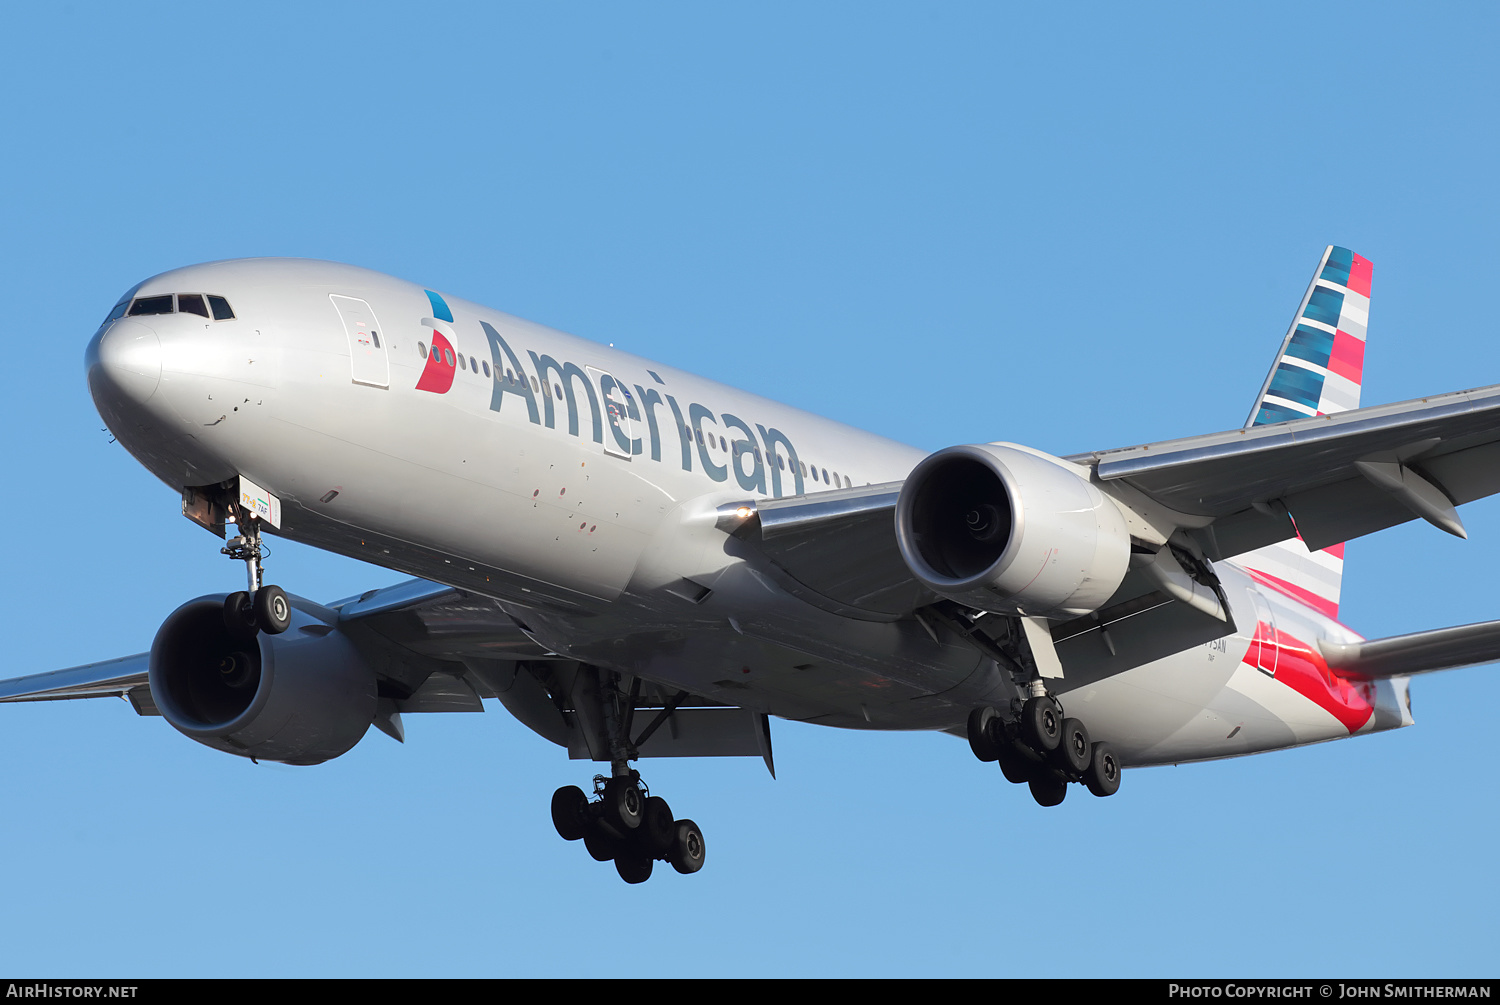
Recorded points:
(1359, 275)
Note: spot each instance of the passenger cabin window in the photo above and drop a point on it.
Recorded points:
(192, 303)
(151, 305)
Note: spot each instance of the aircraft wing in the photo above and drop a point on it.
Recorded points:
(836, 550)
(111, 678)
(426, 618)
(1330, 478)
(439, 649)
(1339, 476)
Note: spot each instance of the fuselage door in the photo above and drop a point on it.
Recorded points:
(367, 353)
(619, 433)
(1264, 642)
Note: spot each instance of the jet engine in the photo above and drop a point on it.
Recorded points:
(301, 697)
(1006, 529)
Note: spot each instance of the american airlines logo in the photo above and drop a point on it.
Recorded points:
(763, 459)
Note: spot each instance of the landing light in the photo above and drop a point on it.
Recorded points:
(737, 518)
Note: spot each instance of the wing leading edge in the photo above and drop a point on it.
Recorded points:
(123, 677)
(1330, 478)
(128, 676)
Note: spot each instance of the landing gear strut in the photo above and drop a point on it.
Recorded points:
(1045, 750)
(260, 608)
(623, 822)
(1031, 739)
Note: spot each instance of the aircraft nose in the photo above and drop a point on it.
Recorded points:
(125, 359)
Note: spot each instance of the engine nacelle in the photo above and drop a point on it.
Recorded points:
(301, 697)
(1011, 530)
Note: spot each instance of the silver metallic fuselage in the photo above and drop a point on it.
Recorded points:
(583, 513)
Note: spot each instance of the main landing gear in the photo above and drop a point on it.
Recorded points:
(1044, 749)
(260, 608)
(625, 824)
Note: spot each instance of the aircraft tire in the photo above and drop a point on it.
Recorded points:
(1047, 788)
(688, 851)
(982, 733)
(657, 832)
(1075, 751)
(239, 616)
(633, 867)
(1017, 763)
(570, 812)
(1041, 724)
(1103, 774)
(273, 612)
(601, 846)
(623, 806)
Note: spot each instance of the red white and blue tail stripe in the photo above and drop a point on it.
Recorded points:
(1322, 358)
(1318, 372)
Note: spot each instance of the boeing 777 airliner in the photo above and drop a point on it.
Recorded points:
(636, 562)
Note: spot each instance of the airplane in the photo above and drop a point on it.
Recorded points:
(636, 562)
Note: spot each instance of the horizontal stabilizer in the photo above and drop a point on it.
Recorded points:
(1419, 652)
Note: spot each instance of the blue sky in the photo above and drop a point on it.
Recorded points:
(1078, 227)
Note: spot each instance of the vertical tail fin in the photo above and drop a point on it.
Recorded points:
(1317, 372)
(1322, 358)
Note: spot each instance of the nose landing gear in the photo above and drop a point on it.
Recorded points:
(261, 608)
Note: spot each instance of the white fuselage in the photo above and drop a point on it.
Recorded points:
(579, 486)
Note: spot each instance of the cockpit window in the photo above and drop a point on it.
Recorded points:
(152, 305)
(188, 303)
(118, 312)
(192, 303)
